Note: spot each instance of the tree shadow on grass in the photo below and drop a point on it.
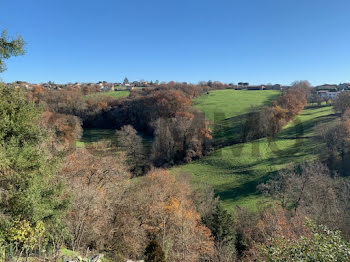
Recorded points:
(244, 190)
(251, 170)
(303, 148)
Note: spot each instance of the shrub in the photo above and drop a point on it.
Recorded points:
(322, 245)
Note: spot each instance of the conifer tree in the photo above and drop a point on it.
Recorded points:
(154, 252)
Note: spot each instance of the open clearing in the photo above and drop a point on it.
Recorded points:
(91, 135)
(225, 109)
(232, 102)
(114, 94)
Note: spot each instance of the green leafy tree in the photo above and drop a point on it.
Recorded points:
(126, 81)
(9, 47)
(322, 245)
(222, 227)
(25, 235)
(28, 179)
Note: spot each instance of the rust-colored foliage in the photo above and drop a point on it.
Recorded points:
(258, 229)
(164, 209)
(269, 121)
(95, 183)
(65, 129)
(293, 100)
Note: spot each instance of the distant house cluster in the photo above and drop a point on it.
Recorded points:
(328, 91)
(102, 86)
(54, 86)
(246, 86)
(325, 92)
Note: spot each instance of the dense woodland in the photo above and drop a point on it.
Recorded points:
(119, 198)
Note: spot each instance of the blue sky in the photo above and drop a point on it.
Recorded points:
(258, 41)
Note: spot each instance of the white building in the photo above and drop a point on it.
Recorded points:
(327, 94)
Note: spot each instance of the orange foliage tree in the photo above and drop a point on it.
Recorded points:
(161, 207)
(95, 183)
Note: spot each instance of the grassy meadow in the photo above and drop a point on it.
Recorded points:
(232, 102)
(91, 135)
(114, 94)
(235, 171)
(225, 109)
(94, 135)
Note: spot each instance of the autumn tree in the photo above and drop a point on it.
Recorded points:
(142, 108)
(95, 183)
(293, 100)
(321, 244)
(268, 121)
(265, 122)
(64, 129)
(220, 222)
(342, 102)
(182, 138)
(305, 86)
(166, 115)
(299, 188)
(131, 143)
(337, 140)
(162, 208)
(254, 229)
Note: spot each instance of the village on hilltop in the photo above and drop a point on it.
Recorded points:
(325, 91)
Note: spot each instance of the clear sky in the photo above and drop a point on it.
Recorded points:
(258, 41)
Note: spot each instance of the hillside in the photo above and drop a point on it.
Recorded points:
(235, 171)
(225, 110)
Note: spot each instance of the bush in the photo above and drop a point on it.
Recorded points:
(322, 245)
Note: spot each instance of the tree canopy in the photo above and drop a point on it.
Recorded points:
(10, 47)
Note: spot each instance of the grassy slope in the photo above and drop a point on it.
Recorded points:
(115, 94)
(235, 171)
(232, 102)
(225, 110)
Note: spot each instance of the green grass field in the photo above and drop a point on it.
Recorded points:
(232, 102)
(91, 135)
(235, 171)
(225, 109)
(114, 94)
